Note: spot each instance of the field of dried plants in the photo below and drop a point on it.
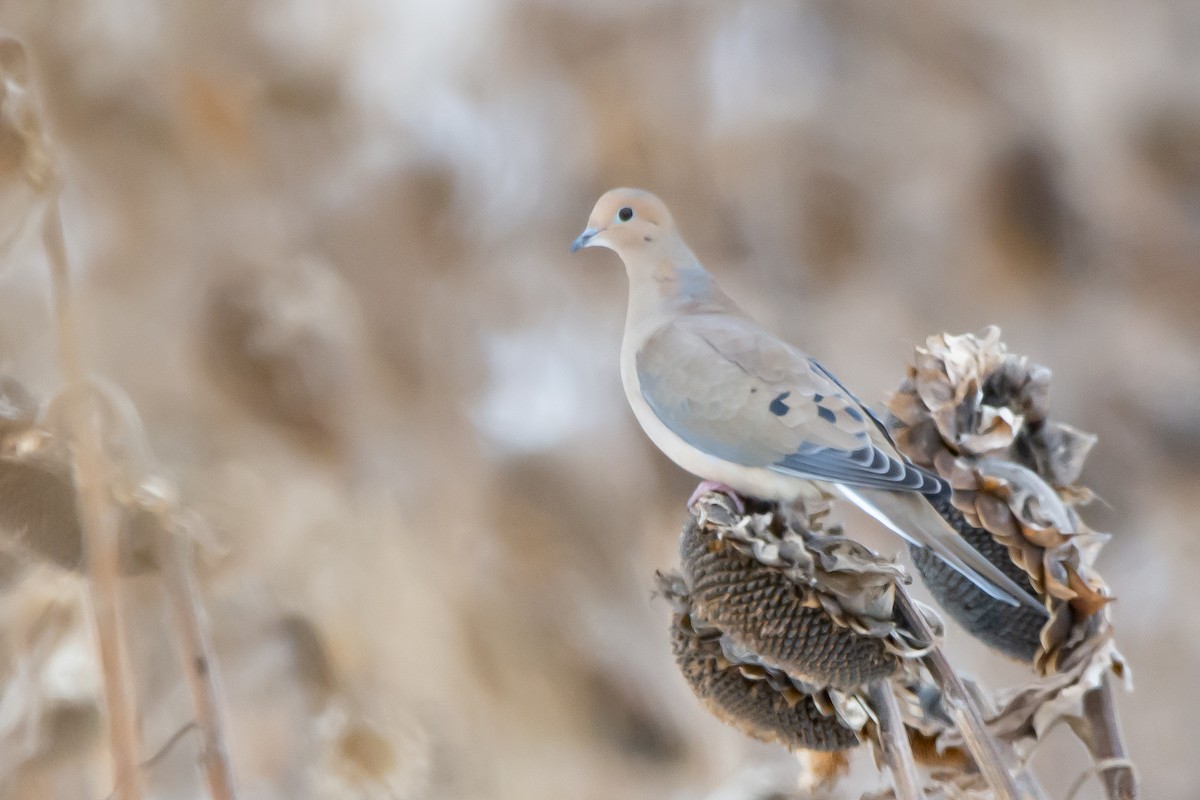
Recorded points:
(351, 382)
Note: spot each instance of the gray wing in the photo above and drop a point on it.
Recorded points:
(879, 424)
(729, 388)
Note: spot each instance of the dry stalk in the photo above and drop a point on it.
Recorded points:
(1102, 735)
(98, 520)
(893, 741)
(195, 652)
(962, 708)
(163, 751)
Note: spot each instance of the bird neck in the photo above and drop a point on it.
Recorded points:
(672, 284)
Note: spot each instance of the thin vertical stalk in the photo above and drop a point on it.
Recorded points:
(893, 741)
(98, 520)
(961, 707)
(195, 650)
(1103, 739)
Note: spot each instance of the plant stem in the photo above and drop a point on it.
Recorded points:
(1103, 739)
(893, 741)
(962, 708)
(98, 520)
(195, 652)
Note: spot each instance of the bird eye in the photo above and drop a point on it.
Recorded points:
(625, 214)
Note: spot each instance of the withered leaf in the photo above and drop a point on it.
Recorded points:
(1087, 600)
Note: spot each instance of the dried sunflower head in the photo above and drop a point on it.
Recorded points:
(780, 624)
(979, 417)
(39, 517)
(817, 605)
(761, 702)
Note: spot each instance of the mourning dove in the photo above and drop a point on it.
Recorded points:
(731, 403)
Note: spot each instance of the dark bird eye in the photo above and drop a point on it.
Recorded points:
(625, 214)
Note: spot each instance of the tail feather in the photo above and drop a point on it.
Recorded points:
(911, 516)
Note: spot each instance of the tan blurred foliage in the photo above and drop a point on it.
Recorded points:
(323, 249)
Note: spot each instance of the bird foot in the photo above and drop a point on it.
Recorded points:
(713, 486)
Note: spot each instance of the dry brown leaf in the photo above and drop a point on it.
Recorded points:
(1087, 600)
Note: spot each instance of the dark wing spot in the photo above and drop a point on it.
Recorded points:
(825, 414)
(778, 407)
(753, 389)
(818, 397)
(854, 414)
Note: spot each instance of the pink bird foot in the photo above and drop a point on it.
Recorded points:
(713, 486)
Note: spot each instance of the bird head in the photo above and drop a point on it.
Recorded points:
(627, 221)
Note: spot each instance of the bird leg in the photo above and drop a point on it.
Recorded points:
(713, 486)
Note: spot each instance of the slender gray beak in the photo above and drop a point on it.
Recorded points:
(583, 238)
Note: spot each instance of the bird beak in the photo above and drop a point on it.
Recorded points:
(583, 238)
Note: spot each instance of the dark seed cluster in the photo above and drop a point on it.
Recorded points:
(1012, 631)
(754, 707)
(764, 611)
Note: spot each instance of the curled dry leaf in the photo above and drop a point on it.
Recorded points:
(966, 397)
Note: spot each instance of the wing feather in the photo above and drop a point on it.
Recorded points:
(732, 389)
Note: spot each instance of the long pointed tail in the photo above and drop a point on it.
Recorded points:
(911, 516)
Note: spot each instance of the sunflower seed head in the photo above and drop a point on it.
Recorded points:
(979, 417)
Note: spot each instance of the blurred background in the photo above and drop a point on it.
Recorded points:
(323, 248)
